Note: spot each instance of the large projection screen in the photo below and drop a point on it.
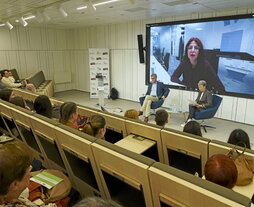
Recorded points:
(226, 61)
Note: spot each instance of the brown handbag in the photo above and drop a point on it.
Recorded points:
(244, 166)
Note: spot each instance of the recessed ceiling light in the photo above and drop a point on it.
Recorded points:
(105, 2)
(29, 17)
(63, 12)
(23, 22)
(81, 7)
(9, 25)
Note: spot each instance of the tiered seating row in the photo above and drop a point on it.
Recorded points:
(97, 167)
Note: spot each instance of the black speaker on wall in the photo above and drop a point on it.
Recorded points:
(141, 49)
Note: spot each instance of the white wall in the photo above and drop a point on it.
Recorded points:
(56, 50)
(128, 76)
(32, 49)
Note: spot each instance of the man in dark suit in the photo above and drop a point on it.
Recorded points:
(203, 101)
(156, 91)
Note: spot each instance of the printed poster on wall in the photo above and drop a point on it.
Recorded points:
(99, 72)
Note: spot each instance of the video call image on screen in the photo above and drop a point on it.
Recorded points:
(228, 55)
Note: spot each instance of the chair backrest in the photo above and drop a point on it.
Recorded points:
(25, 94)
(210, 112)
(7, 124)
(184, 151)
(216, 101)
(149, 131)
(75, 148)
(115, 124)
(124, 174)
(22, 118)
(44, 130)
(37, 79)
(87, 111)
(5, 118)
(173, 187)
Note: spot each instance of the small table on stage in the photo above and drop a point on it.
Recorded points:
(135, 143)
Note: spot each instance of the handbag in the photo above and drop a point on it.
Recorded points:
(244, 166)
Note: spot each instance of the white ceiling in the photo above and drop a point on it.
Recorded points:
(122, 10)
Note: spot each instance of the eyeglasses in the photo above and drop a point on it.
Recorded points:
(193, 48)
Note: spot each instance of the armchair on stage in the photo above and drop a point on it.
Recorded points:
(154, 105)
(208, 113)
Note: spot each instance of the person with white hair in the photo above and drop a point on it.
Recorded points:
(202, 102)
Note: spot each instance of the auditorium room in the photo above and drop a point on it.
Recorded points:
(127, 103)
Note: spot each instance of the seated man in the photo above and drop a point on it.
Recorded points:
(7, 80)
(156, 91)
(203, 101)
(161, 118)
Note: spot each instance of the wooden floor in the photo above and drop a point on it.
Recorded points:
(222, 131)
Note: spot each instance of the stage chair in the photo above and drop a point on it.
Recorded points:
(208, 113)
(218, 147)
(44, 130)
(154, 105)
(75, 149)
(184, 151)
(149, 131)
(22, 118)
(115, 124)
(124, 174)
(174, 188)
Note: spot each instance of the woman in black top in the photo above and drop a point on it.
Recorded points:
(195, 67)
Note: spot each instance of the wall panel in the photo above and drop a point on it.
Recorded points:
(31, 49)
(128, 75)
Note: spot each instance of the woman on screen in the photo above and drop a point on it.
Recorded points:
(195, 67)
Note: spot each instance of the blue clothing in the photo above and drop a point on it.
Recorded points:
(2, 86)
(161, 90)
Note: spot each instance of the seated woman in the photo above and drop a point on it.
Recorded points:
(239, 137)
(132, 114)
(192, 127)
(220, 169)
(6, 94)
(68, 114)
(96, 126)
(42, 106)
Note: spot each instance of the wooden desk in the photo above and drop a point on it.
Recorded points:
(134, 144)
(247, 190)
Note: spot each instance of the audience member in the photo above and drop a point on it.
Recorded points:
(192, 127)
(15, 167)
(18, 101)
(8, 82)
(220, 169)
(2, 86)
(96, 202)
(239, 137)
(30, 87)
(11, 76)
(42, 106)
(6, 94)
(68, 114)
(161, 117)
(96, 126)
(132, 114)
